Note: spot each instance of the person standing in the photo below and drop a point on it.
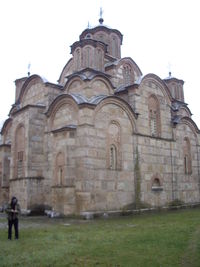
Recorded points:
(13, 210)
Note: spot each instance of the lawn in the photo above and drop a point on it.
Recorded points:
(162, 239)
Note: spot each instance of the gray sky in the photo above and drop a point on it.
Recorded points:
(159, 35)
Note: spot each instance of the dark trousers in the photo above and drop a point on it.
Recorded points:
(10, 224)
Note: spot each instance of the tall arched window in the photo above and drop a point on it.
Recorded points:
(113, 146)
(60, 169)
(154, 116)
(187, 156)
(113, 157)
(19, 151)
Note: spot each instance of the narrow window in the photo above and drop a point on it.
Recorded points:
(19, 152)
(59, 175)
(154, 117)
(113, 146)
(187, 156)
(113, 157)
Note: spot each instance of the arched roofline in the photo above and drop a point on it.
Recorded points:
(158, 79)
(187, 109)
(82, 77)
(74, 77)
(131, 61)
(121, 103)
(26, 85)
(190, 123)
(5, 125)
(68, 62)
(59, 100)
(103, 77)
(88, 42)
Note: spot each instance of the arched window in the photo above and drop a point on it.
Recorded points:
(60, 169)
(127, 74)
(113, 142)
(113, 157)
(187, 156)
(156, 185)
(154, 116)
(156, 182)
(19, 151)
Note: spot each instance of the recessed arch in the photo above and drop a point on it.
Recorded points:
(106, 84)
(34, 79)
(154, 116)
(66, 105)
(191, 124)
(123, 105)
(156, 182)
(132, 64)
(160, 84)
(73, 83)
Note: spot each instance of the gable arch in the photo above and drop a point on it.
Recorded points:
(131, 62)
(67, 70)
(6, 126)
(185, 111)
(191, 124)
(6, 131)
(152, 78)
(33, 79)
(127, 71)
(124, 106)
(72, 83)
(104, 85)
(63, 111)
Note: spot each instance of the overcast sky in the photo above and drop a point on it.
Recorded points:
(159, 35)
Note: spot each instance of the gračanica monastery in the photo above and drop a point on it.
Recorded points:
(105, 137)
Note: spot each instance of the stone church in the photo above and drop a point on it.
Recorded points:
(104, 137)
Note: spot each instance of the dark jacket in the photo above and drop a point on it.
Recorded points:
(13, 212)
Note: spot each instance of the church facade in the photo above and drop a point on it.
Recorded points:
(105, 137)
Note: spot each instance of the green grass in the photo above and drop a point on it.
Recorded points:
(164, 239)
